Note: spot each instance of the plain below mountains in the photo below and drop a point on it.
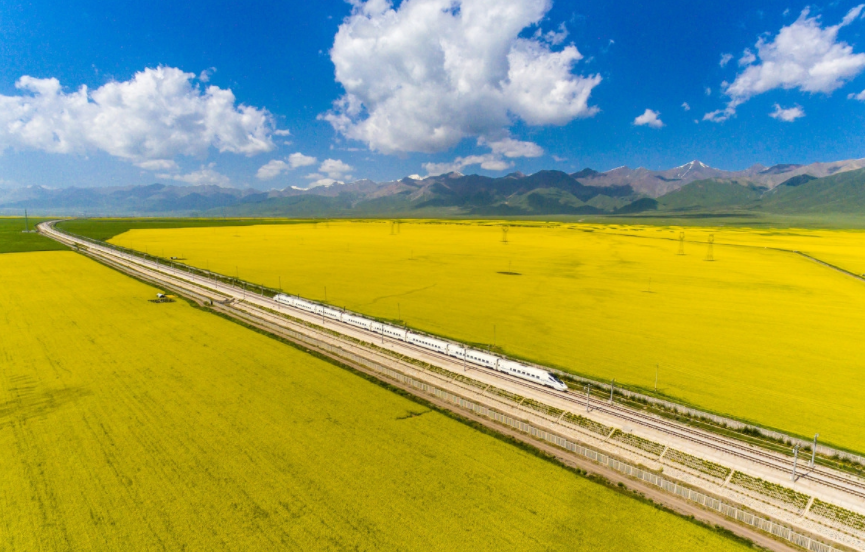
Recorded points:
(816, 189)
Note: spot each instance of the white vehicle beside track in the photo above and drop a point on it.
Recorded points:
(480, 358)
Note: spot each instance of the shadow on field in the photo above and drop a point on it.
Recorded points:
(29, 404)
(413, 414)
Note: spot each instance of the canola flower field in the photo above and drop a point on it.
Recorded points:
(131, 425)
(760, 333)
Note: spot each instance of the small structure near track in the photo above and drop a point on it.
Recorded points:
(162, 298)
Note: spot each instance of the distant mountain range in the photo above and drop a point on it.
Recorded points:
(819, 188)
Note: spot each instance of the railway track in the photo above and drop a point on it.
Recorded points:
(159, 273)
(724, 445)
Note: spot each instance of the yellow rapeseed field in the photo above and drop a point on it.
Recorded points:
(844, 249)
(759, 333)
(127, 425)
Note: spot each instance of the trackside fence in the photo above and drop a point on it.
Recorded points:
(748, 518)
(720, 420)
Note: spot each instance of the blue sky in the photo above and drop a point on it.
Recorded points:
(419, 88)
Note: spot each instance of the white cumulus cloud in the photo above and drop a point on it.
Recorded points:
(298, 159)
(725, 59)
(860, 96)
(787, 115)
(205, 175)
(803, 55)
(553, 37)
(155, 116)
(158, 165)
(276, 167)
(488, 161)
(505, 148)
(685, 106)
(205, 75)
(272, 169)
(747, 58)
(334, 168)
(649, 118)
(509, 147)
(424, 75)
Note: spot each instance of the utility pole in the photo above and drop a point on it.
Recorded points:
(795, 459)
(325, 294)
(814, 450)
(657, 366)
(280, 283)
(26, 222)
(612, 386)
(588, 392)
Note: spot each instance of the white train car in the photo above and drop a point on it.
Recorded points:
(427, 342)
(465, 354)
(304, 305)
(284, 299)
(330, 312)
(484, 359)
(357, 321)
(531, 374)
(457, 352)
(390, 331)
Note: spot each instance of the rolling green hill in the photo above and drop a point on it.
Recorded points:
(837, 194)
(711, 194)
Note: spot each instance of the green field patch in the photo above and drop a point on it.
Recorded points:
(14, 237)
(104, 229)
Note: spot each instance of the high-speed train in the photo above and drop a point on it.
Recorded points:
(465, 354)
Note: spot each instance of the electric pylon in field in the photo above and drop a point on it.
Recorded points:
(392, 227)
(681, 243)
(505, 234)
(710, 252)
